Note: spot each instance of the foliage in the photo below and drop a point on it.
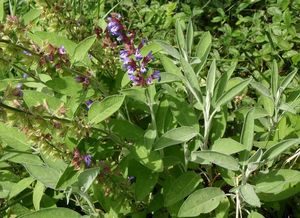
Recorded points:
(149, 108)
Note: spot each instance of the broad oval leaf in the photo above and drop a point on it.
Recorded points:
(201, 201)
(217, 158)
(82, 48)
(249, 195)
(175, 136)
(227, 146)
(104, 109)
(87, 177)
(13, 137)
(181, 187)
(53, 212)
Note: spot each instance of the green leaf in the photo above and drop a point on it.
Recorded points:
(82, 49)
(68, 178)
(279, 148)
(261, 88)
(274, 77)
(189, 37)
(23, 158)
(175, 136)
(183, 112)
(255, 215)
(220, 159)
(31, 15)
(170, 50)
(53, 212)
(13, 137)
(87, 177)
(65, 85)
(287, 80)
(180, 37)
(2, 12)
(181, 187)
(223, 209)
(145, 179)
(38, 192)
(191, 80)
(247, 134)
(202, 50)
(248, 194)
(222, 82)
(169, 65)
(227, 96)
(227, 146)
(277, 185)
(20, 186)
(45, 174)
(210, 80)
(35, 98)
(126, 129)
(104, 109)
(201, 201)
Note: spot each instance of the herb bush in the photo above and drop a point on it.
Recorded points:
(149, 108)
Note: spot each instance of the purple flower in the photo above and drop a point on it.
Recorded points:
(87, 159)
(19, 86)
(88, 104)
(143, 68)
(156, 75)
(138, 55)
(27, 53)
(25, 76)
(62, 50)
(79, 79)
(114, 27)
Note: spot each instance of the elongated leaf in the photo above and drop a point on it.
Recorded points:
(104, 109)
(202, 50)
(201, 201)
(279, 148)
(20, 186)
(227, 146)
(180, 37)
(277, 184)
(68, 178)
(255, 215)
(87, 177)
(65, 85)
(2, 13)
(274, 77)
(23, 158)
(287, 80)
(13, 137)
(223, 209)
(181, 187)
(217, 158)
(247, 134)
(175, 136)
(226, 97)
(192, 80)
(189, 37)
(261, 89)
(249, 195)
(53, 212)
(211, 77)
(222, 82)
(38, 192)
(82, 49)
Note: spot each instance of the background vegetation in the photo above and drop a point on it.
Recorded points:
(149, 108)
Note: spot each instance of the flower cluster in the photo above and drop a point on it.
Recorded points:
(57, 56)
(133, 61)
(78, 159)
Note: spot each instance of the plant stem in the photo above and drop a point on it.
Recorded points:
(150, 104)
